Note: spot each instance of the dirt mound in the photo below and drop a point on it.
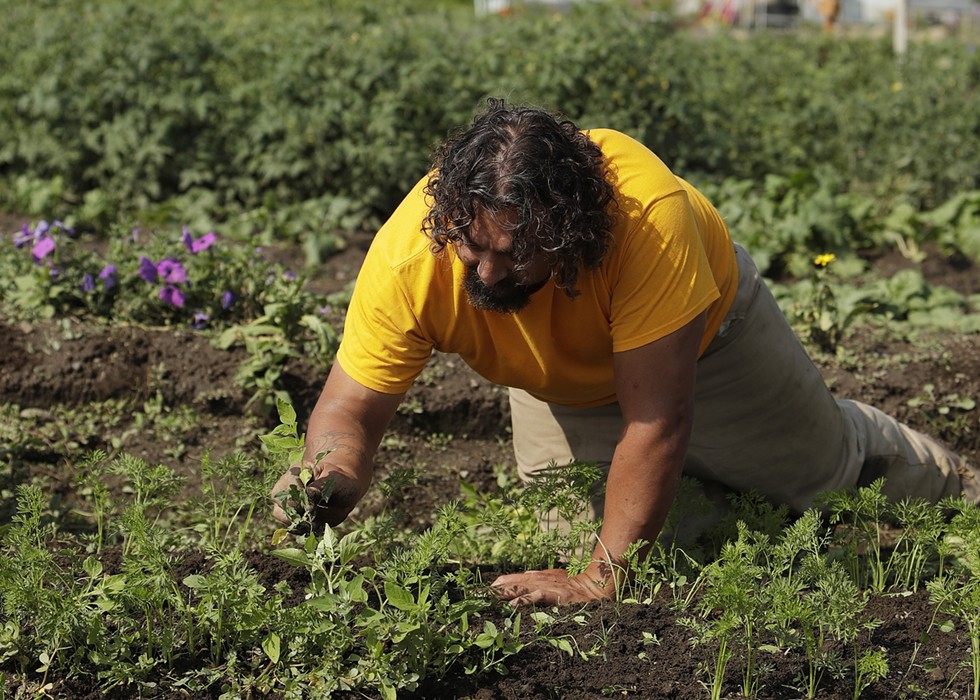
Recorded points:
(49, 364)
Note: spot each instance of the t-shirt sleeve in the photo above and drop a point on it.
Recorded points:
(664, 278)
(382, 347)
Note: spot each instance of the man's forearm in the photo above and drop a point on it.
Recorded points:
(640, 489)
(346, 427)
(342, 443)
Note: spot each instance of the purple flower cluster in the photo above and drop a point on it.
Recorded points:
(170, 272)
(41, 239)
(107, 275)
(43, 231)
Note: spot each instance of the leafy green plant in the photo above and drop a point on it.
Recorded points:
(731, 585)
(202, 132)
(869, 667)
(959, 595)
(412, 621)
(825, 315)
(562, 497)
(919, 545)
(232, 494)
(862, 511)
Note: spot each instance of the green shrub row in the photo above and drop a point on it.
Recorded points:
(227, 108)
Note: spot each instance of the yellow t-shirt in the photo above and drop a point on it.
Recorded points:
(670, 259)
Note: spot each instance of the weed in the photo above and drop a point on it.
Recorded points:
(946, 411)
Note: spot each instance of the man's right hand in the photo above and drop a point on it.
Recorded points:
(331, 494)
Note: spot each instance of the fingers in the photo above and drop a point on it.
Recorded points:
(552, 575)
(549, 587)
(285, 482)
(536, 598)
(534, 587)
(329, 497)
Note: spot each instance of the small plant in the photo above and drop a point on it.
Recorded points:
(945, 411)
(869, 668)
(732, 611)
(562, 498)
(232, 493)
(862, 511)
(826, 310)
(919, 545)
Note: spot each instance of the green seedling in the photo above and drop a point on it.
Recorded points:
(729, 588)
(862, 512)
(959, 596)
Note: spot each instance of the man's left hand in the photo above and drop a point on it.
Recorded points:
(556, 587)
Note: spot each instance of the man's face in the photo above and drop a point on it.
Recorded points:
(493, 282)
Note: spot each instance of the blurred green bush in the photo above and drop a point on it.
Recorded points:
(241, 110)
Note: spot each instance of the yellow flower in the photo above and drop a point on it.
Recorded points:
(824, 259)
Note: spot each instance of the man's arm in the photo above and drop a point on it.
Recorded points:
(655, 387)
(345, 429)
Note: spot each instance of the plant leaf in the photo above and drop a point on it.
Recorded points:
(399, 597)
(271, 647)
(296, 557)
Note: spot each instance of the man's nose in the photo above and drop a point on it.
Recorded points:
(491, 271)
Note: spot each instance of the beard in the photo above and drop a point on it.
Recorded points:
(505, 297)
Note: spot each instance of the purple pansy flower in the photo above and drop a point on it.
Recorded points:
(200, 244)
(204, 242)
(88, 283)
(200, 320)
(57, 223)
(173, 296)
(108, 275)
(55, 272)
(148, 270)
(26, 235)
(171, 271)
(227, 299)
(43, 248)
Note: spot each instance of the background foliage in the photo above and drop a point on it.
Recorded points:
(325, 113)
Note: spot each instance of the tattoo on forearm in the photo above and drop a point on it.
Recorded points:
(337, 441)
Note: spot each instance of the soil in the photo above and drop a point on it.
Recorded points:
(455, 426)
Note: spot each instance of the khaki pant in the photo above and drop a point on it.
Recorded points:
(764, 420)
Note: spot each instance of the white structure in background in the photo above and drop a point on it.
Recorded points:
(948, 12)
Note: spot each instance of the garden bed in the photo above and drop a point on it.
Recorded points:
(453, 429)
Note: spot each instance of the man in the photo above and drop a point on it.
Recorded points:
(575, 268)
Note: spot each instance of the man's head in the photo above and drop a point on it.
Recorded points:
(522, 197)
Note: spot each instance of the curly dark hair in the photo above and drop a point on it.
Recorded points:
(538, 167)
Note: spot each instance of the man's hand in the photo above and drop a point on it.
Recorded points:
(556, 587)
(331, 494)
